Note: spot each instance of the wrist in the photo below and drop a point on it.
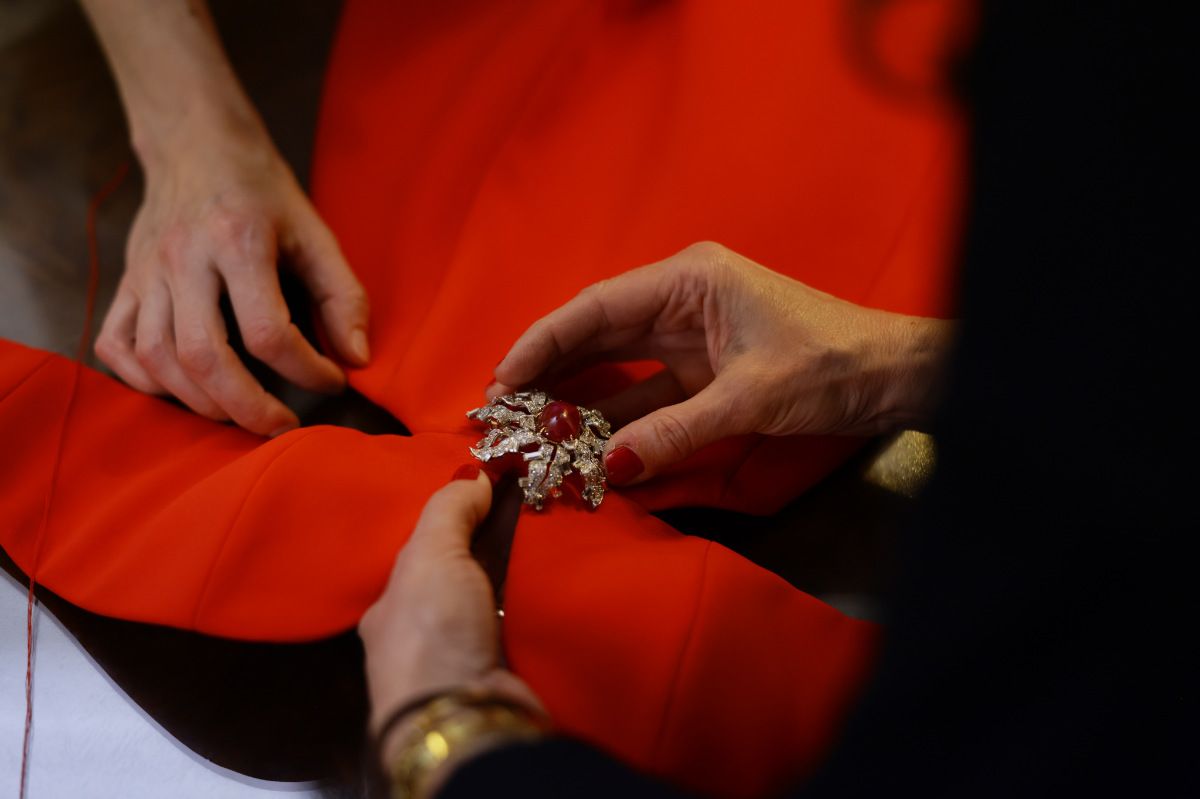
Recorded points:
(163, 139)
(393, 719)
(916, 354)
(424, 741)
(175, 82)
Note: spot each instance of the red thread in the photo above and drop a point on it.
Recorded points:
(84, 340)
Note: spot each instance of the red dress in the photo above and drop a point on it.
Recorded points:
(480, 162)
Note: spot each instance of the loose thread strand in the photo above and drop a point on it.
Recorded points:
(85, 337)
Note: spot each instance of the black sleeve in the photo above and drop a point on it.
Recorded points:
(552, 768)
(1037, 644)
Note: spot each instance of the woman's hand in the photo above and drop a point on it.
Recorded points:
(746, 350)
(216, 218)
(435, 626)
(220, 207)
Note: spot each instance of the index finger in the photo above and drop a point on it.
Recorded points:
(606, 315)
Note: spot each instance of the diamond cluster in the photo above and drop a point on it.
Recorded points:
(515, 430)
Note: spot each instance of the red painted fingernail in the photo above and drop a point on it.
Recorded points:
(494, 471)
(468, 471)
(623, 465)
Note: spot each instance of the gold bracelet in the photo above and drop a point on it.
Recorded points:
(451, 727)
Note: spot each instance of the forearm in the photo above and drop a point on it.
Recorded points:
(173, 76)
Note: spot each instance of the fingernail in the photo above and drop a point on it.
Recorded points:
(358, 345)
(623, 465)
(468, 471)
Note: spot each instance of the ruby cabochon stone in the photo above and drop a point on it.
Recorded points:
(560, 421)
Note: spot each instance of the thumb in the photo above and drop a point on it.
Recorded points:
(452, 514)
(340, 298)
(647, 446)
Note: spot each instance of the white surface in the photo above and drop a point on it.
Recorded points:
(89, 738)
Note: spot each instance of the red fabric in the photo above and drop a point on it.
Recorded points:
(481, 162)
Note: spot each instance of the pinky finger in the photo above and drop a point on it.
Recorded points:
(114, 345)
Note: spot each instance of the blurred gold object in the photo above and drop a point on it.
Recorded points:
(904, 464)
(451, 728)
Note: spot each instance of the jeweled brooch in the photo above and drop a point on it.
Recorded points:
(560, 445)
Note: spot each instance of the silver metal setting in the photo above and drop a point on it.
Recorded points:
(513, 423)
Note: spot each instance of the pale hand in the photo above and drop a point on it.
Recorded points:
(216, 218)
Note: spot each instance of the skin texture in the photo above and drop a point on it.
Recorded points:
(746, 350)
(435, 625)
(220, 209)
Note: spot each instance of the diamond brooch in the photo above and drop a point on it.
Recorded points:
(555, 444)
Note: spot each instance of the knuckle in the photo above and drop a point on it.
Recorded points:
(107, 348)
(198, 357)
(707, 262)
(673, 436)
(247, 232)
(707, 253)
(151, 351)
(266, 339)
(172, 246)
(225, 221)
(354, 300)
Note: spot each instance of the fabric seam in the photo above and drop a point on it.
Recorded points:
(233, 525)
(684, 653)
(49, 357)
